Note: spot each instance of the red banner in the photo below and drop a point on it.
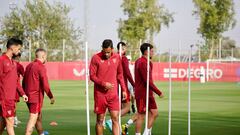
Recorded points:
(225, 72)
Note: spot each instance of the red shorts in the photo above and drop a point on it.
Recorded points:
(7, 108)
(34, 107)
(102, 102)
(127, 98)
(141, 104)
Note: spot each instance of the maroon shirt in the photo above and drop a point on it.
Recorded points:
(20, 72)
(141, 79)
(106, 70)
(9, 84)
(126, 72)
(35, 82)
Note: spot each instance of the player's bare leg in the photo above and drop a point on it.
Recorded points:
(2, 125)
(38, 124)
(139, 122)
(99, 124)
(10, 125)
(31, 123)
(115, 122)
(133, 103)
(125, 108)
(153, 114)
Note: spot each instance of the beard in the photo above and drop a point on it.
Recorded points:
(14, 55)
(44, 61)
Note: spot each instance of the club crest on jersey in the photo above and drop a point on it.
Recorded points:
(9, 112)
(114, 61)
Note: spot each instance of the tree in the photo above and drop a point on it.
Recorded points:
(145, 18)
(43, 25)
(216, 17)
(227, 46)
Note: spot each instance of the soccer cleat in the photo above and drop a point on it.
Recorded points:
(133, 108)
(109, 125)
(45, 133)
(125, 129)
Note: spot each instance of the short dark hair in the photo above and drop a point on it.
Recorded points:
(144, 47)
(107, 43)
(13, 41)
(120, 43)
(40, 50)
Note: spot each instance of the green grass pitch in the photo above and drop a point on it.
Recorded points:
(215, 109)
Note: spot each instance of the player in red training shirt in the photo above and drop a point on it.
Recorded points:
(9, 86)
(140, 90)
(127, 79)
(20, 72)
(35, 83)
(106, 71)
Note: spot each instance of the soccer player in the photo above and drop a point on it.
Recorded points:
(127, 77)
(9, 86)
(35, 83)
(130, 87)
(20, 72)
(106, 71)
(140, 91)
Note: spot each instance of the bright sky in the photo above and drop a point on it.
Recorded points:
(103, 16)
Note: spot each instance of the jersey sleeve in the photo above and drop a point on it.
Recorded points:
(93, 72)
(143, 72)
(44, 82)
(120, 76)
(126, 71)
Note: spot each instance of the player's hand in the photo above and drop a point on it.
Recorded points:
(25, 98)
(124, 95)
(162, 95)
(52, 101)
(109, 86)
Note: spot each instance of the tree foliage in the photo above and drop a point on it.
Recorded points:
(144, 19)
(216, 17)
(44, 25)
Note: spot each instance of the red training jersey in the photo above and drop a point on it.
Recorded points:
(35, 82)
(9, 84)
(141, 79)
(106, 70)
(20, 72)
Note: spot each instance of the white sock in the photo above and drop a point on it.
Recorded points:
(130, 122)
(104, 121)
(138, 134)
(150, 131)
(42, 134)
(15, 120)
(147, 131)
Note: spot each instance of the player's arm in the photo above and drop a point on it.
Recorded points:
(21, 92)
(120, 77)
(45, 84)
(152, 86)
(21, 70)
(93, 73)
(127, 71)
